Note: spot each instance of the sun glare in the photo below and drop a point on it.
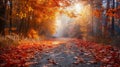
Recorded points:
(75, 9)
(78, 7)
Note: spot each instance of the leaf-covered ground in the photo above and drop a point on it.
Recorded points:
(60, 53)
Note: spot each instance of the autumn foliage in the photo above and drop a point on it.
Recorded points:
(23, 54)
(107, 55)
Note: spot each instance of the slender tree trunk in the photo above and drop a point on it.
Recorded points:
(92, 18)
(106, 21)
(11, 6)
(113, 20)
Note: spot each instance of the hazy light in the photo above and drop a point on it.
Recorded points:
(62, 20)
(78, 7)
(77, 13)
(75, 9)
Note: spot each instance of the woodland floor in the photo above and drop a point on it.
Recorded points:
(61, 52)
(65, 55)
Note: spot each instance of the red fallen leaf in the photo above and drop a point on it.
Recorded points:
(78, 60)
(86, 54)
(49, 46)
(24, 55)
(93, 62)
(52, 61)
(29, 63)
(81, 60)
(40, 49)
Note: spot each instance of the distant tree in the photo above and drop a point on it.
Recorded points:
(2, 16)
(113, 19)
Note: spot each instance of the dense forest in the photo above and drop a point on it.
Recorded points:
(47, 33)
(27, 17)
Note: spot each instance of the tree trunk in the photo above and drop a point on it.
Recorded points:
(106, 21)
(10, 28)
(2, 16)
(112, 26)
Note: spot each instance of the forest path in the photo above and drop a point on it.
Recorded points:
(67, 54)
